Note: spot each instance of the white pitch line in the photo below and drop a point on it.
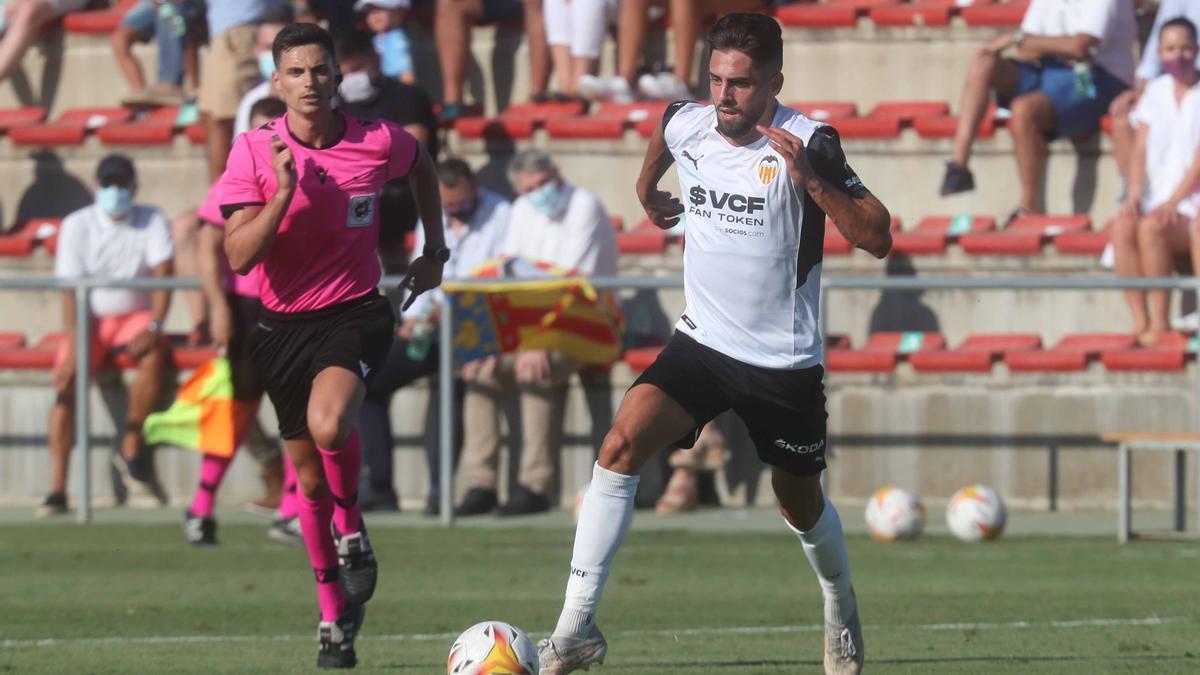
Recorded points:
(726, 630)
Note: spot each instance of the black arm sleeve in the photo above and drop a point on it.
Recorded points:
(825, 155)
(671, 110)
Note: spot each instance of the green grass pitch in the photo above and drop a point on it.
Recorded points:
(128, 598)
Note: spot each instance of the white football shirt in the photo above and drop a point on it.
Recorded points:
(752, 264)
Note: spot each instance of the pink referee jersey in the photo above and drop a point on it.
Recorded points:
(325, 251)
(249, 285)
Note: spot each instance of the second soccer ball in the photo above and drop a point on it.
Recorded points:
(895, 513)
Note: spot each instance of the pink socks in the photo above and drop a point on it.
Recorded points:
(318, 540)
(342, 469)
(212, 470)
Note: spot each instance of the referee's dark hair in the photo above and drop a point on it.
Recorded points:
(299, 34)
(1179, 22)
(755, 35)
(452, 171)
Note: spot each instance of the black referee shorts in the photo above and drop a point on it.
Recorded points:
(784, 410)
(290, 349)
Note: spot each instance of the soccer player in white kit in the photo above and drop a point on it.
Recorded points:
(758, 180)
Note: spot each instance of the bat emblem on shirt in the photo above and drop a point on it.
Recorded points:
(362, 209)
(694, 160)
(768, 168)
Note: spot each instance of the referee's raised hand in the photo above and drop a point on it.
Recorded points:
(662, 208)
(284, 163)
(424, 274)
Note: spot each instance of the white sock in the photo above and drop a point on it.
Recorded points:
(825, 547)
(603, 521)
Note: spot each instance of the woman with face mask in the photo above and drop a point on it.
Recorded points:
(1155, 223)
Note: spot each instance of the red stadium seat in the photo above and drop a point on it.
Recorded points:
(618, 223)
(1002, 243)
(495, 128)
(817, 16)
(640, 358)
(1082, 243)
(835, 341)
(12, 341)
(944, 126)
(835, 243)
(1007, 15)
(21, 117)
(1094, 343)
(906, 342)
(826, 110)
(952, 361)
(137, 133)
(195, 133)
(544, 111)
(924, 14)
(861, 5)
(70, 128)
(38, 357)
(642, 240)
(101, 22)
(592, 128)
(868, 127)
(1002, 343)
(21, 239)
(855, 361)
(1155, 359)
(956, 226)
(919, 243)
(1053, 360)
(1050, 224)
(906, 111)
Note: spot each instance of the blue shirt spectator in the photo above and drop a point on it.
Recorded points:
(395, 53)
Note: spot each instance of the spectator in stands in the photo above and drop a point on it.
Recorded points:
(113, 239)
(1155, 222)
(22, 22)
(264, 37)
(674, 84)
(385, 18)
(366, 92)
(1072, 59)
(173, 24)
(557, 223)
(1123, 133)
(575, 31)
(453, 20)
(230, 70)
(476, 222)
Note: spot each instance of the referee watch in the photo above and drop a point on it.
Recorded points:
(440, 254)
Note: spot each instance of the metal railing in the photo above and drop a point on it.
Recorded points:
(82, 289)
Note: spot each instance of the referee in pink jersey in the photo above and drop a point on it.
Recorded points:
(301, 198)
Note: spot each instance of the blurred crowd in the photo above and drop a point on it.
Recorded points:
(1070, 64)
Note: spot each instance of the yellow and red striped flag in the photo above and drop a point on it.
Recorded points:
(205, 416)
(556, 312)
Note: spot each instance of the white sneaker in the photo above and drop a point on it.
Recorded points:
(844, 647)
(605, 89)
(664, 87)
(560, 654)
(1188, 323)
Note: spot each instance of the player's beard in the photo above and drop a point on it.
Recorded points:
(745, 123)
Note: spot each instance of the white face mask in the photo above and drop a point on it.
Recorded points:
(357, 87)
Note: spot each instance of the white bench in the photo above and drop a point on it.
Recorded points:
(1178, 443)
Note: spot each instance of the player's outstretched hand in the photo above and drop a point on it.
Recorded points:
(424, 274)
(284, 164)
(791, 149)
(662, 209)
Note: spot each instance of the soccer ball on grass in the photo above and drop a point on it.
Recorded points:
(492, 648)
(976, 513)
(895, 513)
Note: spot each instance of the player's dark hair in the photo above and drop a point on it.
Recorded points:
(755, 35)
(268, 107)
(299, 34)
(352, 42)
(279, 15)
(452, 171)
(1179, 22)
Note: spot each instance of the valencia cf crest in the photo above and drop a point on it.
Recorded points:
(768, 168)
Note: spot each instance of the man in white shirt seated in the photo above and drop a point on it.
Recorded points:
(476, 222)
(1156, 222)
(113, 239)
(566, 226)
(1072, 58)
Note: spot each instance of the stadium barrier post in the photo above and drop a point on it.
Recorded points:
(1180, 489)
(446, 411)
(1123, 469)
(1052, 478)
(83, 367)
